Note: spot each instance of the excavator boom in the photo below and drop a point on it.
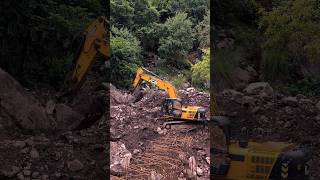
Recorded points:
(155, 80)
(93, 43)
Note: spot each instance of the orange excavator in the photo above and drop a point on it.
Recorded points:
(172, 107)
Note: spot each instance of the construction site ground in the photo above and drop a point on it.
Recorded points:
(156, 152)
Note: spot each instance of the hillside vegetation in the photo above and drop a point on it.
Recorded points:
(162, 36)
(278, 38)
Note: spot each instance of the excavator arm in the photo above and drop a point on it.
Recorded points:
(93, 43)
(143, 74)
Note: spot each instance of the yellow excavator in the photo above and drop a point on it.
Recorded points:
(249, 160)
(172, 107)
(93, 42)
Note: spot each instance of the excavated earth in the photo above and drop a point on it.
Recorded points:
(41, 138)
(141, 148)
(269, 116)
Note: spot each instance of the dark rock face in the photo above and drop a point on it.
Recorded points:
(20, 108)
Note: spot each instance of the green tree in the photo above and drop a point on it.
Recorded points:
(203, 31)
(176, 40)
(125, 57)
(292, 37)
(36, 35)
(201, 72)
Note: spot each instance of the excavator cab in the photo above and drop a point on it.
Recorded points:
(171, 107)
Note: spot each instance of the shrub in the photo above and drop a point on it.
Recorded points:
(125, 56)
(201, 72)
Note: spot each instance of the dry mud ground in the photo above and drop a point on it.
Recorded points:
(155, 152)
(280, 118)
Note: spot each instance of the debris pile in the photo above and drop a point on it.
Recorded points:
(157, 152)
(44, 139)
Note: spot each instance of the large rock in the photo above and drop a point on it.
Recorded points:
(119, 158)
(67, 118)
(290, 101)
(258, 88)
(240, 77)
(318, 106)
(118, 97)
(22, 110)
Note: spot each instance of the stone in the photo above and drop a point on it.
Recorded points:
(11, 172)
(193, 165)
(248, 100)
(19, 144)
(199, 171)
(67, 118)
(318, 106)
(75, 165)
(35, 174)
(136, 151)
(26, 172)
(20, 176)
(257, 87)
(208, 160)
(155, 176)
(50, 107)
(290, 101)
(119, 158)
(34, 153)
(240, 77)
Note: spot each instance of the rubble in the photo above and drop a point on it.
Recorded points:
(165, 152)
(42, 138)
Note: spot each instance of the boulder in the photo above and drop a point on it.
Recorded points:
(290, 101)
(118, 97)
(23, 110)
(119, 158)
(318, 106)
(258, 87)
(240, 77)
(67, 118)
(75, 165)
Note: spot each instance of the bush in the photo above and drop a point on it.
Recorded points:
(177, 40)
(224, 62)
(125, 57)
(203, 31)
(292, 37)
(201, 72)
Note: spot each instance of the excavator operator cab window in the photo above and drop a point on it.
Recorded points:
(172, 107)
(201, 113)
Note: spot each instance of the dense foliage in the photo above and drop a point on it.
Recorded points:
(279, 37)
(37, 36)
(201, 71)
(169, 29)
(126, 55)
